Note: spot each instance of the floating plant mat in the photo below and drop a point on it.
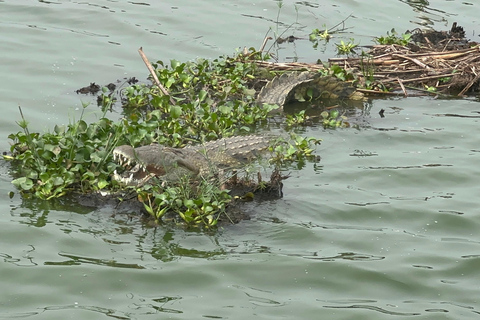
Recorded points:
(435, 62)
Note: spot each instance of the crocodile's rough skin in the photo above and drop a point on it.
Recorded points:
(294, 86)
(173, 163)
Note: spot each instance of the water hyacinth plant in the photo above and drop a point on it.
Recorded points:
(211, 100)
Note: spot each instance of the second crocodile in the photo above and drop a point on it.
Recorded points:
(306, 85)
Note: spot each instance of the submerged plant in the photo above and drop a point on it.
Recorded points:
(297, 149)
(317, 36)
(297, 119)
(333, 119)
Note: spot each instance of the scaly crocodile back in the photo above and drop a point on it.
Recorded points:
(227, 152)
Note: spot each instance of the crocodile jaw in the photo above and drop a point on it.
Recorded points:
(136, 173)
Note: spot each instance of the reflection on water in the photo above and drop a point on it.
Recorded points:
(428, 14)
(76, 260)
(373, 308)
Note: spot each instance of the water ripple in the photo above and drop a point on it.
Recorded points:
(374, 308)
(105, 311)
(348, 256)
(411, 167)
(364, 204)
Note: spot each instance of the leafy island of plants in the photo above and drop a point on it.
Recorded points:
(207, 100)
(198, 101)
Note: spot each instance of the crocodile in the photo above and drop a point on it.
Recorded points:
(171, 164)
(306, 85)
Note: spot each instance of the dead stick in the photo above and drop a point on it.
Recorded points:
(451, 56)
(410, 71)
(469, 85)
(264, 43)
(154, 75)
(401, 86)
(424, 78)
(423, 65)
(356, 60)
(452, 53)
(378, 92)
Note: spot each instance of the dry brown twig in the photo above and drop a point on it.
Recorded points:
(154, 75)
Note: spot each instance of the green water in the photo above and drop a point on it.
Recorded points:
(384, 227)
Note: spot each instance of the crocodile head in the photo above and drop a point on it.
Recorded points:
(136, 171)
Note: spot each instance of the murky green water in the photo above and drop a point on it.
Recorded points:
(385, 226)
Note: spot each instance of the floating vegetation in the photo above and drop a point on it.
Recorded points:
(188, 104)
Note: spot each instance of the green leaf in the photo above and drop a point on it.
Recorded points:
(23, 183)
(59, 130)
(174, 63)
(81, 126)
(169, 82)
(57, 181)
(102, 183)
(175, 112)
(334, 114)
(201, 95)
(225, 109)
(95, 157)
(149, 209)
(188, 203)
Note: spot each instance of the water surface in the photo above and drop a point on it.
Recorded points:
(385, 226)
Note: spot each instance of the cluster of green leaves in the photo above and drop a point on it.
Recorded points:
(346, 47)
(297, 119)
(334, 119)
(329, 120)
(196, 204)
(213, 99)
(296, 150)
(48, 164)
(339, 72)
(317, 36)
(392, 37)
(220, 79)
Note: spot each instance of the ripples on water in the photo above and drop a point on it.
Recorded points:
(386, 225)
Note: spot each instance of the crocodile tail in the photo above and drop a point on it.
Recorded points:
(306, 85)
(278, 91)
